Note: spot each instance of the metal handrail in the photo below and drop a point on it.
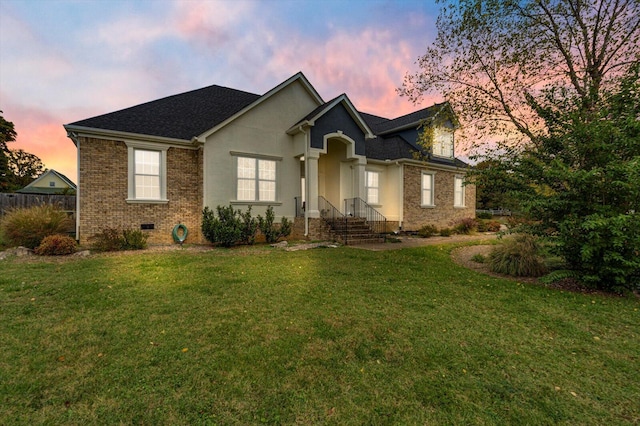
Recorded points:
(357, 207)
(300, 206)
(332, 216)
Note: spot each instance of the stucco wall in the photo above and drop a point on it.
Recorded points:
(103, 186)
(261, 131)
(443, 213)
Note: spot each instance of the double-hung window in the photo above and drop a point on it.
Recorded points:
(372, 186)
(427, 190)
(147, 173)
(256, 179)
(443, 143)
(458, 191)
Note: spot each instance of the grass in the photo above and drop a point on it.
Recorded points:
(330, 336)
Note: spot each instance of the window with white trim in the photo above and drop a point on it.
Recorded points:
(458, 192)
(147, 173)
(256, 179)
(372, 187)
(443, 143)
(427, 189)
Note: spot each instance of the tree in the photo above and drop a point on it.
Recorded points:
(493, 60)
(7, 134)
(25, 167)
(560, 79)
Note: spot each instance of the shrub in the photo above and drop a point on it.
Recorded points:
(134, 239)
(28, 227)
(446, 232)
(478, 258)
(427, 231)
(466, 225)
(272, 233)
(518, 256)
(109, 239)
(249, 227)
(229, 227)
(488, 226)
(606, 250)
(484, 215)
(56, 245)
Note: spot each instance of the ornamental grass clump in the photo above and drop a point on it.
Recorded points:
(518, 256)
(56, 245)
(28, 227)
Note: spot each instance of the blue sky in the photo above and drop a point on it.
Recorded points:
(61, 61)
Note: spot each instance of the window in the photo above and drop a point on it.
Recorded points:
(256, 179)
(372, 187)
(458, 191)
(443, 143)
(427, 189)
(147, 173)
(52, 184)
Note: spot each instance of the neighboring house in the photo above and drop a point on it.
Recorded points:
(155, 165)
(50, 183)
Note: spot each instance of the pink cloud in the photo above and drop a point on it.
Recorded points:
(42, 134)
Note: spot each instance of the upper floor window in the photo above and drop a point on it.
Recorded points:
(372, 187)
(256, 179)
(443, 143)
(147, 173)
(427, 189)
(52, 184)
(458, 192)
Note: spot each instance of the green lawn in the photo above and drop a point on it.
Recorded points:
(325, 336)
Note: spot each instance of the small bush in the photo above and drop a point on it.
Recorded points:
(134, 239)
(484, 215)
(488, 226)
(109, 239)
(446, 232)
(28, 227)
(249, 227)
(478, 258)
(465, 226)
(56, 245)
(272, 233)
(518, 256)
(427, 231)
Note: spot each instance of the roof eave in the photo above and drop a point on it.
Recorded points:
(75, 131)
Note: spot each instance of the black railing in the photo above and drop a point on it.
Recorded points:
(357, 207)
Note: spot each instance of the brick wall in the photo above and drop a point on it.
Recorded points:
(444, 212)
(103, 185)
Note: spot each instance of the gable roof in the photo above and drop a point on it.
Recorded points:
(381, 125)
(33, 187)
(182, 116)
(343, 99)
(185, 116)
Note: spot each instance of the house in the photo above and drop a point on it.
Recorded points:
(156, 165)
(50, 182)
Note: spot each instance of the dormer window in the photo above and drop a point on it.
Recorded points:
(443, 143)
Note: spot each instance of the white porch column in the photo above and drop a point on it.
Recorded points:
(311, 180)
(359, 178)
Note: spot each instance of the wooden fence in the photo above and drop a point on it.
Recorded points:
(11, 201)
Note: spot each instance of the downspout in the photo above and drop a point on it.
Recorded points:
(74, 137)
(306, 181)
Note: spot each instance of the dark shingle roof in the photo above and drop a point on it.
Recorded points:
(181, 116)
(392, 148)
(381, 125)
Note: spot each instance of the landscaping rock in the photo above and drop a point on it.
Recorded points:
(23, 251)
(281, 244)
(83, 253)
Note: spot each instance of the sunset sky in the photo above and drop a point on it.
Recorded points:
(62, 61)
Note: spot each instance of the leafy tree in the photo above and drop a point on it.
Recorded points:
(492, 58)
(24, 166)
(556, 81)
(7, 134)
